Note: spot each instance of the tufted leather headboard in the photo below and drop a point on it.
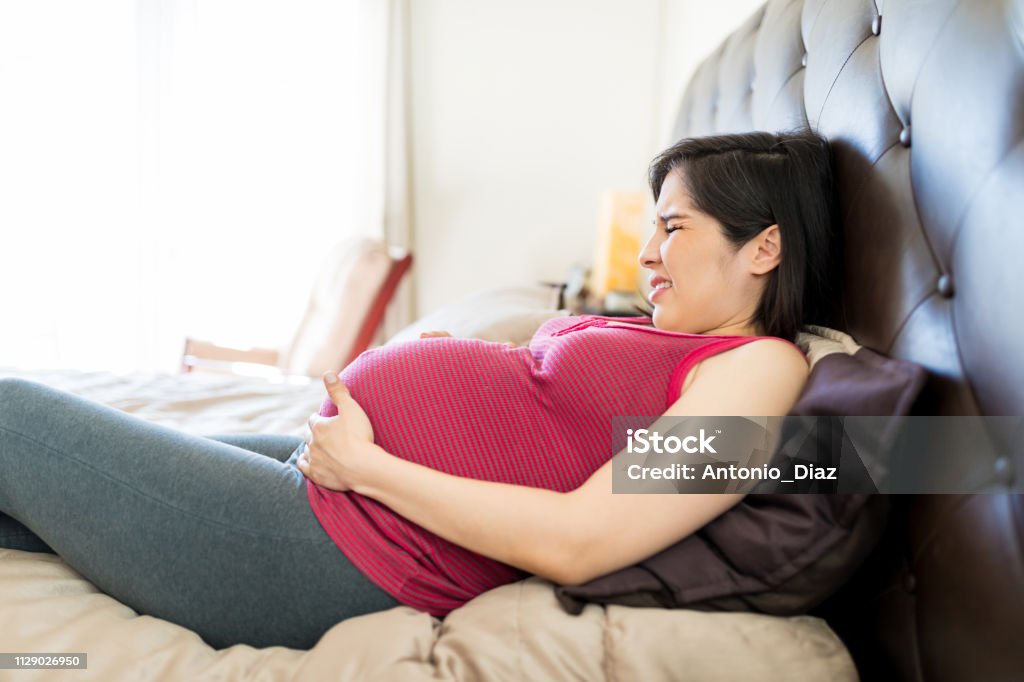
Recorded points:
(923, 101)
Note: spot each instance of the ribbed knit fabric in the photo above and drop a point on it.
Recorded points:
(536, 416)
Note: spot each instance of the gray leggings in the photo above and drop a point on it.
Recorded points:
(213, 533)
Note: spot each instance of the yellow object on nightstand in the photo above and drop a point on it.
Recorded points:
(619, 237)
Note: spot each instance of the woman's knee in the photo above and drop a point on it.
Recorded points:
(13, 388)
(15, 391)
(18, 397)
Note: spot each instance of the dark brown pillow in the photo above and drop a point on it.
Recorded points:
(774, 553)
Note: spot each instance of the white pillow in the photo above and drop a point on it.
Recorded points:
(502, 314)
(817, 342)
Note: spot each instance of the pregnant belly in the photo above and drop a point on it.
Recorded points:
(462, 406)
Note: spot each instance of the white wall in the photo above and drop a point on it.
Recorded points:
(690, 31)
(522, 113)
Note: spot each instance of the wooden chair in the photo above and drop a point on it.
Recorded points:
(346, 307)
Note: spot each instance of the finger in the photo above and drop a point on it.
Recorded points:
(331, 379)
(317, 423)
(337, 390)
(306, 471)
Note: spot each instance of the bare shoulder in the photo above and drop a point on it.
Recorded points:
(772, 361)
(763, 377)
(770, 352)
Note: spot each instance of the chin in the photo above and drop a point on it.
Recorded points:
(664, 320)
(657, 317)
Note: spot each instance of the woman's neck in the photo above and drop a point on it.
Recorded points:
(739, 329)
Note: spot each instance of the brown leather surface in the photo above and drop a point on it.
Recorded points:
(924, 104)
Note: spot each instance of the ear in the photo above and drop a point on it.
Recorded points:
(767, 250)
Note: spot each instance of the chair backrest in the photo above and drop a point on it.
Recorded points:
(350, 294)
(924, 105)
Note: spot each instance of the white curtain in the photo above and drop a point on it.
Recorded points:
(177, 168)
(387, 198)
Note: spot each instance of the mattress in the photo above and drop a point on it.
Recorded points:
(514, 632)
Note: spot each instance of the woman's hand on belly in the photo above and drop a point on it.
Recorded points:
(442, 334)
(337, 446)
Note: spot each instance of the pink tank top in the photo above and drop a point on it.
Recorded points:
(537, 416)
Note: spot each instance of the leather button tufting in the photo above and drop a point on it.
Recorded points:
(945, 286)
(1003, 470)
(803, 60)
(909, 582)
(876, 25)
(905, 136)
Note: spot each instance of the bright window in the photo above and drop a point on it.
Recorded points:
(167, 168)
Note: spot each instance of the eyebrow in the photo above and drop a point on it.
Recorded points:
(674, 216)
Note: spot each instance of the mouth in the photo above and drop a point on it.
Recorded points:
(661, 285)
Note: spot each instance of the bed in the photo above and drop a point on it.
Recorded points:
(923, 106)
(517, 631)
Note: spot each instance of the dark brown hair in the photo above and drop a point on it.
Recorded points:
(750, 181)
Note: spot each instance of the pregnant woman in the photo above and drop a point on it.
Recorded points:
(440, 468)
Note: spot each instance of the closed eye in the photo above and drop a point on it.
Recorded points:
(669, 229)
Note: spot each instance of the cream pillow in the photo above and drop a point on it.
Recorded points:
(501, 314)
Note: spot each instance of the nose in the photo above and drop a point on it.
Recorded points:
(649, 255)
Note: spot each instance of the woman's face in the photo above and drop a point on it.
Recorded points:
(710, 286)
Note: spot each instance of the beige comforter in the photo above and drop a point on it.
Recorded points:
(515, 632)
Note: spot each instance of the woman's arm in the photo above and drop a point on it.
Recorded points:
(572, 537)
